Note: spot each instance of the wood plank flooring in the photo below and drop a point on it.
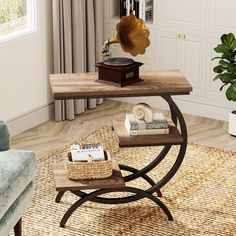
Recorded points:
(52, 135)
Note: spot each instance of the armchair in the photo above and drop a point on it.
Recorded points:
(17, 170)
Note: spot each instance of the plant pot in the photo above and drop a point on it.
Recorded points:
(232, 123)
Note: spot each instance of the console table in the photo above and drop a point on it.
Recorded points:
(161, 83)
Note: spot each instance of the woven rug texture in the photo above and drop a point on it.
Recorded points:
(201, 196)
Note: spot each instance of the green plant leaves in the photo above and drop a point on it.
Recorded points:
(216, 58)
(226, 68)
(231, 92)
(227, 48)
(221, 49)
(224, 64)
(218, 69)
(233, 68)
(225, 78)
(228, 41)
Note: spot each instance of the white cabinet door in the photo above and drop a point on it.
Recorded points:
(181, 14)
(223, 17)
(183, 52)
(168, 51)
(194, 52)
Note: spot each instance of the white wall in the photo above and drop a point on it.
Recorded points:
(183, 35)
(24, 67)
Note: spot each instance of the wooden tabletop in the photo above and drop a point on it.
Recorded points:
(126, 140)
(84, 85)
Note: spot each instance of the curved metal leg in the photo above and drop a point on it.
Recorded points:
(173, 115)
(149, 167)
(176, 113)
(183, 146)
(142, 173)
(59, 196)
(94, 194)
(144, 176)
(177, 117)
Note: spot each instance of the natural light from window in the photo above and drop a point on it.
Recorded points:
(17, 17)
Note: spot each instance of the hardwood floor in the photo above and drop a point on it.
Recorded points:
(52, 135)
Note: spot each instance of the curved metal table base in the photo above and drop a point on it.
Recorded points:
(138, 194)
(144, 176)
(59, 197)
(94, 194)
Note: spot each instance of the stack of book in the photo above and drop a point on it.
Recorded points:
(140, 8)
(87, 152)
(159, 125)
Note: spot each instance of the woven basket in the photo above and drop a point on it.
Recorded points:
(89, 170)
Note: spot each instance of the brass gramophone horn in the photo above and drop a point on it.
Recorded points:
(132, 34)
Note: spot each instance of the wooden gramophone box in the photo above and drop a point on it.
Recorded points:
(119, 75)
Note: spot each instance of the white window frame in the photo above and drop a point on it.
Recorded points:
(31, 23)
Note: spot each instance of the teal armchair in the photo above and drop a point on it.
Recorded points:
(17, 171)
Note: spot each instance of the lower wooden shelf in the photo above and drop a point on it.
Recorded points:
(62, 183)
(126, 140)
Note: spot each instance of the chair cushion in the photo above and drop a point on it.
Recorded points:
(4, 137)
(16, 210)
(17, 170)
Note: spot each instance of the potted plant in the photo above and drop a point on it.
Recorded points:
(226, 72)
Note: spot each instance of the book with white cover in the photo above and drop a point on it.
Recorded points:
(87, 151)
(141, 9)
(145, 131)
(148, 11)
(159, 122)
(127, 7)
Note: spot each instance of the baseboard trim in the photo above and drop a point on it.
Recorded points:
(203, 110)
(198, 109)
(30, 119)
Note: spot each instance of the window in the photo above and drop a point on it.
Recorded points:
(17, 17)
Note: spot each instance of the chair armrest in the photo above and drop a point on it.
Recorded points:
(4, 137)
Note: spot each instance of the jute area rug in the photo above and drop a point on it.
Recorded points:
(201, 196)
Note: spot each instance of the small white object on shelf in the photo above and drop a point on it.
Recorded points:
(87, 152)
(143, 111)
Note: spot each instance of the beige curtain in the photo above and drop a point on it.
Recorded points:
(77, 37)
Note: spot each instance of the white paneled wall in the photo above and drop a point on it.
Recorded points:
(183, 35)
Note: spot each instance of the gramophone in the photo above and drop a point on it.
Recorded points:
(132, 35)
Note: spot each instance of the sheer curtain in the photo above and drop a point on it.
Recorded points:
(77, 37)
